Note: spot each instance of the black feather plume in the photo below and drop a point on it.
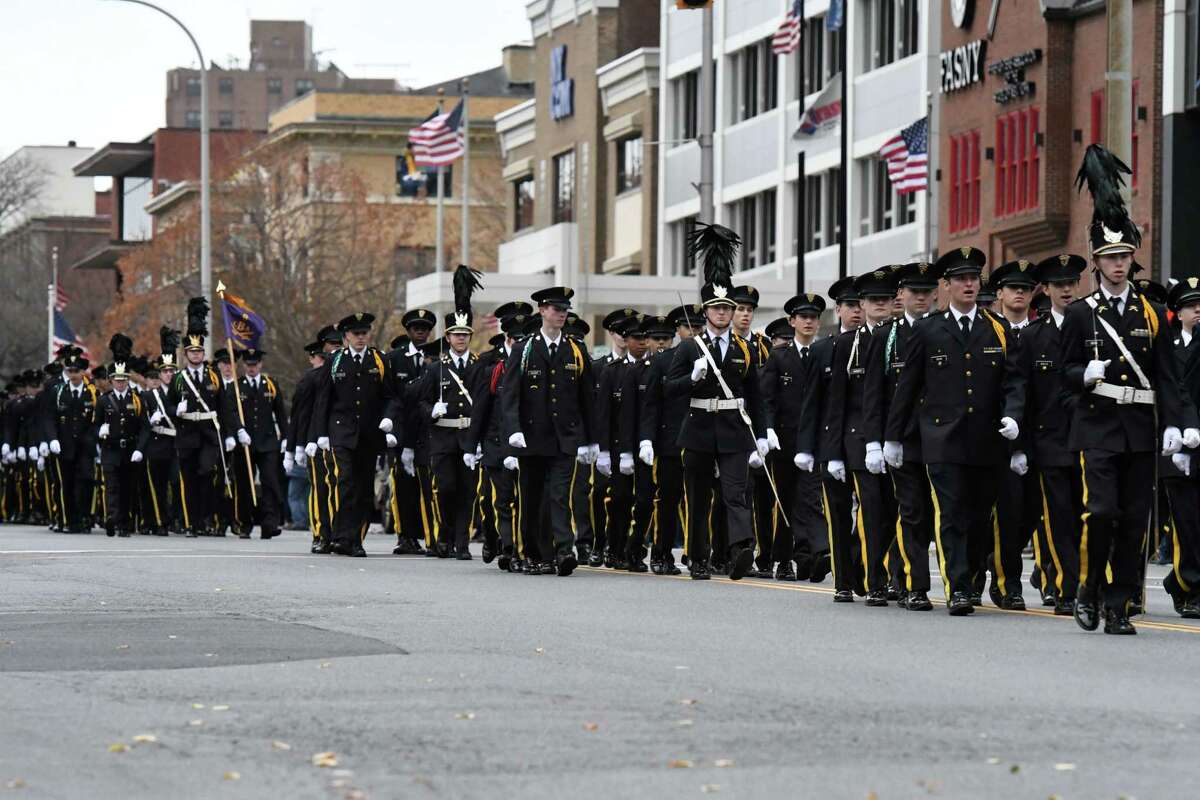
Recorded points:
(121, 347)
(717, 246)
(1103, 174)
(197, 317)
(465, 282)
(169, 339)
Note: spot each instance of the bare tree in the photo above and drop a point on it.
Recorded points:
(23, 344)
(22, 180)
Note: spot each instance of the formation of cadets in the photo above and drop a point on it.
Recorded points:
(940, 412)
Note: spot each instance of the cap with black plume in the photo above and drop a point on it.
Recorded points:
(121, 347)
(717, 246)
(465, 282)
(1111, 231)
(197, 323)
(168, 337)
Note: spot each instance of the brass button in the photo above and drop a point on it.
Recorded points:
(970, 409)
(968, 356)
(1121, 359)
(1124, 377)
(968, 373)
(936, 420)
(551, 372)
(970, 391)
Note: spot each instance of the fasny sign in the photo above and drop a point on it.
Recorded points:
(963, 66)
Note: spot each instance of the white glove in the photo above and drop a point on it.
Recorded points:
(1172, 441)
(1093, 373)
(323, 442)
(626, 463)
(893, 454)
(22, 455)
(385, 425)
(103, 432)
(136, 456)
(1009, 428)
(1191, 437)
(229, 444)
(583, 454)
(9, 458)
(5, 450)
(510, 463)
(517, 440)
(181, 409)
(55, 447)
(300, 457)
(804, 462)
(1018, 463)
(408, 458)
(469, 460)
(43, 449)
(289, 461)
(772, 439)
(41, 464)
(646, 452)
(875, 460)
(763, 447)
(283, 448)
(756, 461)
(699, 369)
(604, 463)
(390, 440)
(156, 417)
(439, 410)
(837, 470)
(593, 453)
(310, 449)
(1182, 462)
(243, 437)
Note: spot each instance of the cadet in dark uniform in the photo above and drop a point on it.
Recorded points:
(616, 420)
(962, 382)
(547, 402)
(406, 363)
(118, 425)
(1182, 583)
(75, 412)
(779, 331)
(257, 421)
(600, 554)
(157, 441)
(322, 493)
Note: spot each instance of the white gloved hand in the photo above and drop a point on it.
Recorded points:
(21, 454)
(583, 454)
(390, 440)
(836, 470)
(41, 464)
(1191, 437)
(229, 444)
(593, 453)
(699, 369)
(1182, 462)
(55, 447)
(756, 461)
(604, 463)
(310, 449)
(646, 452)
(772, 439)
(1093, 373)
(243, 437)
(1172, 441)
(1018, 463)
(763, 447)
(517, 440)
(181, 409)
(469, 460)
(893, 454)
(408, 459)
(804, 462)
(300, 457)
(283, 448)
(289, 461)
(43, 449)
(875, 460)
(439, 410)
(1009, 428)
(385, 425)
(323, 442)
(136, 456)
(104, 431)
(5, 450)
(510, 463)
(156, 417)
(626, 466)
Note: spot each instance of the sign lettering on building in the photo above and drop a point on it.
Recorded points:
(562, 88)
(963, 66)
(1012, 71)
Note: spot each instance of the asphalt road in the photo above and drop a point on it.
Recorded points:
(242, 660)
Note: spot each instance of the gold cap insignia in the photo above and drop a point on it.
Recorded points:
(358, 316)
(629, 312)
(168, 359)
(880, 274)
(569, 293)
(1064, 259)
(966, 252)
(1022, 265)
(1193, 282)
(812, 298)
(922, 268)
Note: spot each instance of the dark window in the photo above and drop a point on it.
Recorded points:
(1133, 127)
(688, 103)
(225, 119)
(192, 119)
(564, 187)
(193, 87)
(274, 85)
(523, 203)
(303, 86)
(629, 163)
(1017, 179)
(225, 85)
(421, 182)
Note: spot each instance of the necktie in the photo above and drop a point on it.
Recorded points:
(965, 321)
(1115, 302)
(358, 359)
(803, 352)
(553, 350)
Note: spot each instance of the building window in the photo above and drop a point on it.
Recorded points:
(754, 81)
(274, 85)
(523, 203)
(629, 163)
(1133, 129)
(822, 53)
(421, 182)
(890, 31)
(883, 208)
(1016, 161)
(193, 87)
(822, 198)
(191, 119)
(225, 85)
(754, 218)
(564, 187)
(681, 262)
(303, 86)
(225, 119)
(964, 181)
(686, 89)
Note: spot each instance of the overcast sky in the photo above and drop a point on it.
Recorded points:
(95, 70)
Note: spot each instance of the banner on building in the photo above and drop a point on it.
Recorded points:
(825, 112)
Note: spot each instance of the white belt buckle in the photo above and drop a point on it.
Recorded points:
(1127, 395)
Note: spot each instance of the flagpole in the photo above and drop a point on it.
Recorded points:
(465, 250)
(844, 204)
(237, 392)
(439, 261)
(801, 181)
(51, 300)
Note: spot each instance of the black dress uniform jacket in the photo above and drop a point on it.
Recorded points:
(846, 411)
(719, 431)
(441, 385)
(124, 418)
(152, 443)
(194, 434)
(1048, 406)
(262, 412)
(662, 415)
(350, 400)
(302, 405)
(549, 400)
(885, 364)
(815, 380)
(75, 421)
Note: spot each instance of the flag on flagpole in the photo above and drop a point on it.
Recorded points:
(907, 157)
(835, 15)
(825, 112)
(60, 298)
(63, 335)
(438, 140)
(787, 36)
(243, 327)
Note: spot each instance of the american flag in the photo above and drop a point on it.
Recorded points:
(60, 298)
(438, 140)
(907, 157)
(63, 335)
(787, 37)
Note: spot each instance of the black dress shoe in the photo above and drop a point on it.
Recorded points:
(1048, 599)
(638, 566)
(504, 562)
(1014, 602)
(317, 547)
(893, 594)
(110, 532)
(843, 596)
(1190, 609)
(517, 565)
(976, 599)
(123, 534)
(271, 534)
(326, 547)
(1064, 606)
(960, 605)
(669, 568)
(784, 572)
(595, 559)
(656, 566)
(532, 567)
(740, 561)
(803, 569)
(994, 594)
(548, 568)
(583, 553)
(489, 553)
(918, 601)
(431, 552)
(245, 535)
(877, 598)
(820, 568)
(358, 552)
(443, 550)
(1087, 616)
(339, 548)
(766, 573)
(1117, 623)
(567, 564)
(700, 570)
(1135, 609)
(463, 555)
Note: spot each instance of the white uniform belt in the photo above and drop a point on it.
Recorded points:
(1124, 395)
(198, 416)
(162, 430)
(461, 423)
(716, 404)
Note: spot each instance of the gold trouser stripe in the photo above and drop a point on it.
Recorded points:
(571, 496)
(518, 523)
(314, 504)
(687, 511)
(996, 552)
(477, 504)
(395, 505)
(655, 523)
(1083, 536)
(937, 533)
(183, 503)
(833, 565)
(1175, 548)
(862, 535)
(437, 507)
(335, 502)
(1049, 529)
(62, 506)
(153, 496)
(426, 528)
(900, 547)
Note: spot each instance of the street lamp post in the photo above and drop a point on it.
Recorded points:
(205, 201)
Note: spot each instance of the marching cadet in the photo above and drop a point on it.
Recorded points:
(660, 333)
(598, 548)
(75, 413)
(583, 475)
(836, 494)
(237, 505)
(852, 455)
(446, 401)
(254, 415)
(322, 493)
(157, 440)
(1118, 361)
(724, 424)
(405, 361)
(353, 409)
(779, 331)
(800, 538)
(1182, 582)
(910, 481)
(962, 382)
(616, 430)
(193, 400)
(547, 400)
(318, 522)
(119, 422)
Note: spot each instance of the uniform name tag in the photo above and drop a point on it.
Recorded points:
(737, 361)
(991, 351)
(573, 367)
(1092, 342)
(939, 360)
(1142, 332)
(897, 364)
(853, 371)
(534, 372)
(1043, 364)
